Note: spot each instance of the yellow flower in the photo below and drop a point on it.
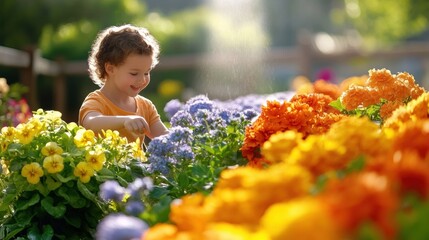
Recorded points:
(170, 88)
(4, 167)
(296, 220)
(53, 163)
(233, 232)
(8, 133)
(25, 133)
(95, 159)
(84, 171)
(137, 151)
(280, 144)
(51, 148)
(32, 172)
(84, 138)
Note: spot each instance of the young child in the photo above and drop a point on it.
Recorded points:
(120, 63)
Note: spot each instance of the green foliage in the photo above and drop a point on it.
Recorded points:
(372, 111)
(58, 199)
(385, 21)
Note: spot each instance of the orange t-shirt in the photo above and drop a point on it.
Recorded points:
(97, 101)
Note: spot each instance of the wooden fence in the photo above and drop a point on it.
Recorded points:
(304, 55)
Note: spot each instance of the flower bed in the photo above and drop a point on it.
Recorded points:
(50, 176)
(350, 160)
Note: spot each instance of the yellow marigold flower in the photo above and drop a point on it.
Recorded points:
(243, 194)
(53, 163)
(84, 138)
(318, 154)
(95, 159)
(280, 144)
(51, 148)
(32, 172)
(25, 133)
(296, 220)
(216, 231)
(84, 171)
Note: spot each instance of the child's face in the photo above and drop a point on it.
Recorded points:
(131, 77)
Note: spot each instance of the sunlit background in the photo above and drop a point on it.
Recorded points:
(223, 49)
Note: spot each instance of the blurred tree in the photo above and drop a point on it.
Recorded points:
(64, 26)
(384, 21)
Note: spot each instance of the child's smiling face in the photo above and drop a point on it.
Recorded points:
(132, 76)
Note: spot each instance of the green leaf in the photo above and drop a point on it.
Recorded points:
(73, 219)
(25, 203)
(72, 197)
(52, 184)
(85, 192)
(183, 180)
(337, 105)
(63, 179)
(158, 192)
(55, 211)
(47, 234)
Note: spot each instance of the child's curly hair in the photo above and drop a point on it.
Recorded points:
(114, 44)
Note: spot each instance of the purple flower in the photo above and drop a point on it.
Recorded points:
(134, 207)
(199, 102)
(158, 164)
(180, 134)
(184, 152)
(172, 107)
(160, 146)
(111, 190)
(120, 227)
(140, 185)
(181, 118)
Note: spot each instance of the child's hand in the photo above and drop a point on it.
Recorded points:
(137, 125)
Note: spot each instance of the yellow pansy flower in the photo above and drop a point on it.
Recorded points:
(84, 138)
(95, 159)
(32, 172)
(25, 133)
(84, 171)
(8, 133)
(53, 163)
(51, 148)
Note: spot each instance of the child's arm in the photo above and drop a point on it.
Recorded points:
(137, 124)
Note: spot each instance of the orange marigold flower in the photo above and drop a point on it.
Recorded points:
(346, 83)
(359, 198)
(243, 194)
(162, 231)
(415, 109)
(415, 137)
(380, 77)
(327, 88)
(359, 96)
(387, 109)
(412, 172)
(190, 214)
(307, 114)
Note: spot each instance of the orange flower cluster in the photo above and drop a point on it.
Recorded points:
(346, 140)
(241, 198)
(307, 114)
(302, 85)
(414, 110)
(381, 84)
(278, 202)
